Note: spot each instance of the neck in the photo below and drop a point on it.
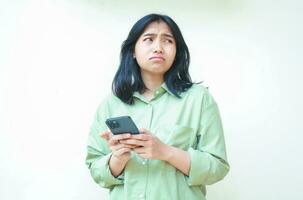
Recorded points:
(152, 82)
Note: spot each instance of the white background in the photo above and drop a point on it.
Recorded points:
(58, 58)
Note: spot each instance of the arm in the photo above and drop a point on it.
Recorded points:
(178, 158)
(208, 160)
(116, 166)
(98, 153)
(204, 163)
(120, 152)
(148, 146)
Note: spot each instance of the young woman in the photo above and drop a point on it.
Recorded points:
(180, 148)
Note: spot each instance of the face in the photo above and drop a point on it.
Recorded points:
(155, 50)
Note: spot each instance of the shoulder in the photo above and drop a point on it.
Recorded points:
(109, 100)
(200, 93)
(198, 88)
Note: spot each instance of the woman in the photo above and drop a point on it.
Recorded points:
(181, 147)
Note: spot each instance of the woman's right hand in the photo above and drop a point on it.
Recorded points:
(121, 153)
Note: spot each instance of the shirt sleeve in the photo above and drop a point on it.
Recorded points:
(98, 153)
(208, 159)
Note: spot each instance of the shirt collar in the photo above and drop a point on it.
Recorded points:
(158, 92)
(164, 86)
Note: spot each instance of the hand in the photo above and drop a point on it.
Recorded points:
(148, 145)
(120, 152)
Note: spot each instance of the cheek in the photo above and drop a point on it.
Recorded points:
(140, 57)
(141, 60)
(141, 51)
(172, 55)
(172, 52)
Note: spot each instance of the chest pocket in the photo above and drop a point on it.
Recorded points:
(178, 136)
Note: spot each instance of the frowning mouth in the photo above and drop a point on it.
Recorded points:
(156, 58)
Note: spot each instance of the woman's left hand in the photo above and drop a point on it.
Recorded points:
(149, 146)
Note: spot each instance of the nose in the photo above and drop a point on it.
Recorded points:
(158, 51)
(158, 47)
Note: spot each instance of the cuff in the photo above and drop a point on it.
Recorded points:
(102, 174)
(199, 167)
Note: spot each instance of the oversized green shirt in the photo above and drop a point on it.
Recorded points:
(191, 123)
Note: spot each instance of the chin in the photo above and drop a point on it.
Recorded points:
(159, 69)
(156, 69)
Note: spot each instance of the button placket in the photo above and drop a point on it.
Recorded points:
(144, 161)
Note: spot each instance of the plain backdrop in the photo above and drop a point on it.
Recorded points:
(58, 58)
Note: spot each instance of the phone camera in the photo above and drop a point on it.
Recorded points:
(114, 124)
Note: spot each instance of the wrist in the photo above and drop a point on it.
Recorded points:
(117, 161)
(168, 153)
(116, 166)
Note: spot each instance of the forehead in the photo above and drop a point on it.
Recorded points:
(157, 27)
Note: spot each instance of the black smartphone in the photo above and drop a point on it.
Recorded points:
(120, 125)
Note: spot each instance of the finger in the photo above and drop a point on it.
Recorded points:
(122, 151)
(132, 146)
(140, 150)
(116, 147)
(121, 136)
(133, 142)
(141, 137)
(105, 135)
(112, 142)
(120, 146)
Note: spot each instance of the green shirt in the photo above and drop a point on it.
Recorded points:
(191, 123)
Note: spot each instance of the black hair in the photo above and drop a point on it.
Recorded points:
(128, 77)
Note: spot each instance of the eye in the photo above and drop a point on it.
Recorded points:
(148, 39)
(169, 41)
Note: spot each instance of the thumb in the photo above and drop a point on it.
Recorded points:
(105, 135)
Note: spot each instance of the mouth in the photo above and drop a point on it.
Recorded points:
(157, 58)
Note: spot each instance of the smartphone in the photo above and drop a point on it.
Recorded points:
(120, 125)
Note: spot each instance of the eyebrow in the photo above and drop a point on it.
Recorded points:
(164, 34)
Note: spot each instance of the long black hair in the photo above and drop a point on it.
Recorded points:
(128, 77)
